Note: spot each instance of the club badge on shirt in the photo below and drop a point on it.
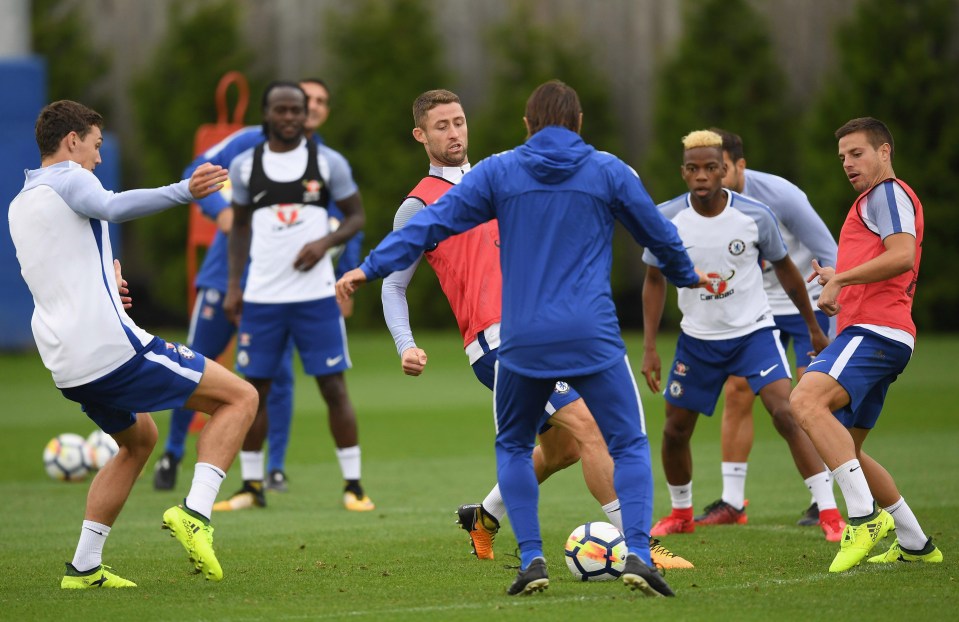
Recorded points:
(311, 190)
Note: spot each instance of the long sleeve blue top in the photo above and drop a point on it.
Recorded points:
(556, 199)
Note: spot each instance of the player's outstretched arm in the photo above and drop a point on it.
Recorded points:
(207, 179)
(794, 286)
(349, 283)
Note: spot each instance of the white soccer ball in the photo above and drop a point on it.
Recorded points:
(67, 457)
(102, 448)
(596, 552)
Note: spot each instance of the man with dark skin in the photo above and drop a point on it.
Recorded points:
(280, 193)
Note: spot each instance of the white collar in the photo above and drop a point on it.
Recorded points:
(451, 174)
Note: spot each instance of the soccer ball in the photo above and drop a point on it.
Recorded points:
(67, 457)
(102, 448)
(596, 552)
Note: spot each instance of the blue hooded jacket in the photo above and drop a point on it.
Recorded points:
(556, 199)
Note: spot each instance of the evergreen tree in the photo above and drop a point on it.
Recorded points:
(173, 97)
(60, 36)
(524, 55)
(898, 62)
(723, 73)
(387, 54)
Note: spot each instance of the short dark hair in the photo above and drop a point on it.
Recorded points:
(58, 119)
(732, 144)
(553, 103)
(279, 84)
(321, 82)
(429, 100)
(876, 132)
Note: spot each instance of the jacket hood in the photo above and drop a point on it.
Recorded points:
(553, 154)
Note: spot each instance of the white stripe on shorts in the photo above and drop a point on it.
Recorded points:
(639, 401)
(844, 356)
(495, 386)
(195, 316)
(186, 372)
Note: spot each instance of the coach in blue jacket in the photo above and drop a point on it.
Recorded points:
(556, 199)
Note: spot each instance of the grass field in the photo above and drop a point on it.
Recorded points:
(427, 448)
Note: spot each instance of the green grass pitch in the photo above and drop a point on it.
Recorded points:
(427, 448)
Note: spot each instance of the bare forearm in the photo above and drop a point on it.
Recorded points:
(654, 300)
(238, 250)
(888, 265)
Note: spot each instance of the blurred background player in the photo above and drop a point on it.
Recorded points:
(871, 289)
(806, 237)
(98, 356)
(727, 328)
(281, 189)
(211, 332)
(559, 321)
(467, 266)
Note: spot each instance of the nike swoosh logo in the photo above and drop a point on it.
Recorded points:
(766, 372)
(259, 196)
(330, 362)
(99, 533)
(853, 469)
(814, 362)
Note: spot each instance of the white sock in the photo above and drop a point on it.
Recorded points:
(349, 458)
(89, 553)
(206, 484)
(734, 483)
(681, 496)
(908, 531)
(820, 485)
(252, 466)
(493, 504)
(855, 489)
(614, 514)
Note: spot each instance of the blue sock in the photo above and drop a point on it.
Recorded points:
(527, 557)
(180, 420)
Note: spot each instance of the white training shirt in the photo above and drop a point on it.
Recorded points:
(58, 223)
(728, 247)
(281, 231)
(805, 234)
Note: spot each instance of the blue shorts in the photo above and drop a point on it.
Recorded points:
(701, 367)
(317, 329)
(562, 395)
(794, 327)
(210, 330)
(865, 364)
(162, 376)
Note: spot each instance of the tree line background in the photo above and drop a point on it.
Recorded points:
(897, 61)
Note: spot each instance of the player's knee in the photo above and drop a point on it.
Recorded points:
(802, 405)
(333, 390)
(561, 457)
(783, 419)
(246, 399)
(141, 440)
(676, 433)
